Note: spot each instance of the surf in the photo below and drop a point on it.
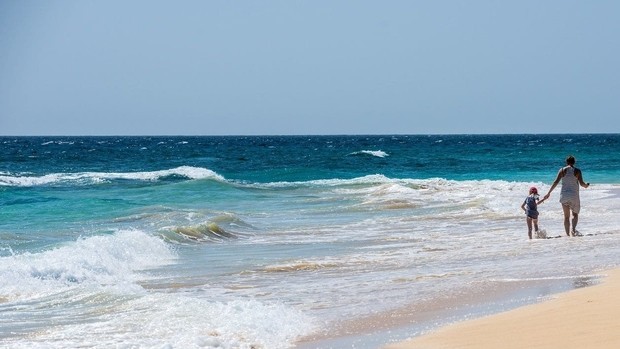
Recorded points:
(101, 260)
(94, 178)
(375, 153)
(105, 286)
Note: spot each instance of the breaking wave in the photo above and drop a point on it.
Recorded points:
(377, 153)
(89, 178)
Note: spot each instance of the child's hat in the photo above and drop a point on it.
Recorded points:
(533, 190)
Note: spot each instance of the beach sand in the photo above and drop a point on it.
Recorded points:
(588, 317)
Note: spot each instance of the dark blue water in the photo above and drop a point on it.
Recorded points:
(303, 158)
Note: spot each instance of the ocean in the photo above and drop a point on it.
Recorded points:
(287, 241)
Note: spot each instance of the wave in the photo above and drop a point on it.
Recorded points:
(93, 285)
(89, 178)
(170, 320)
(301, 266)
(427, 198)
(333, 182)
(399, 184)
(377, 153)
(58, 142)
(217, 229)
(106, 260)
(205, 232)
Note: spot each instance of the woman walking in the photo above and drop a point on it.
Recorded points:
(571, 178)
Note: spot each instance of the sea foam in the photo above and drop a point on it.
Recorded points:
(99, 278)
(89, 178)
(377, 153)
(105, 260)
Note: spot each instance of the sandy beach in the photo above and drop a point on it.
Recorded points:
(581, 318)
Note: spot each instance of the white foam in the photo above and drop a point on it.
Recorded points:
(98, 278)
(98, 177)
(164, 320)
(58, 142)
(369, 179)
(108, 261)
(377, 153)
(446, 198)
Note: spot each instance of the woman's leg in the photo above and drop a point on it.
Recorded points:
(575, 220)
(566, 210)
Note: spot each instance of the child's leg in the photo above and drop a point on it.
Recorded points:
(535, 221)
(529, 227)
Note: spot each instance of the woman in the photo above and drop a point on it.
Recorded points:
(571, 178)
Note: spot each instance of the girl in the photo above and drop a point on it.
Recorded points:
(530, 206)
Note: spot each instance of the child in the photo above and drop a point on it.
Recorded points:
(530, 206)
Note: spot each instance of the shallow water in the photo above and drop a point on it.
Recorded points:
(241, 242)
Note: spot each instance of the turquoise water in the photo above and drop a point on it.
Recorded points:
(237, 242)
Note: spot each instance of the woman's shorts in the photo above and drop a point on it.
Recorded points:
(572, 203)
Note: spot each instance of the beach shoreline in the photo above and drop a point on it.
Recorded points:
(475, 301)
(580, 318)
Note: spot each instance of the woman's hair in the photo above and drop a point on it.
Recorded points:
(570, 160)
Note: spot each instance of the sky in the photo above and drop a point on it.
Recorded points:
(297, 67)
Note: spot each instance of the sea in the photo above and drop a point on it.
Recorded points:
(351, 241)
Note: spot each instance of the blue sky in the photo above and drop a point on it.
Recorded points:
(308, 67)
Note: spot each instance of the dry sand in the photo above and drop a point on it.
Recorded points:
(583, 318)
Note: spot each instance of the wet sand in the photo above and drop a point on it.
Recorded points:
(587, 317)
